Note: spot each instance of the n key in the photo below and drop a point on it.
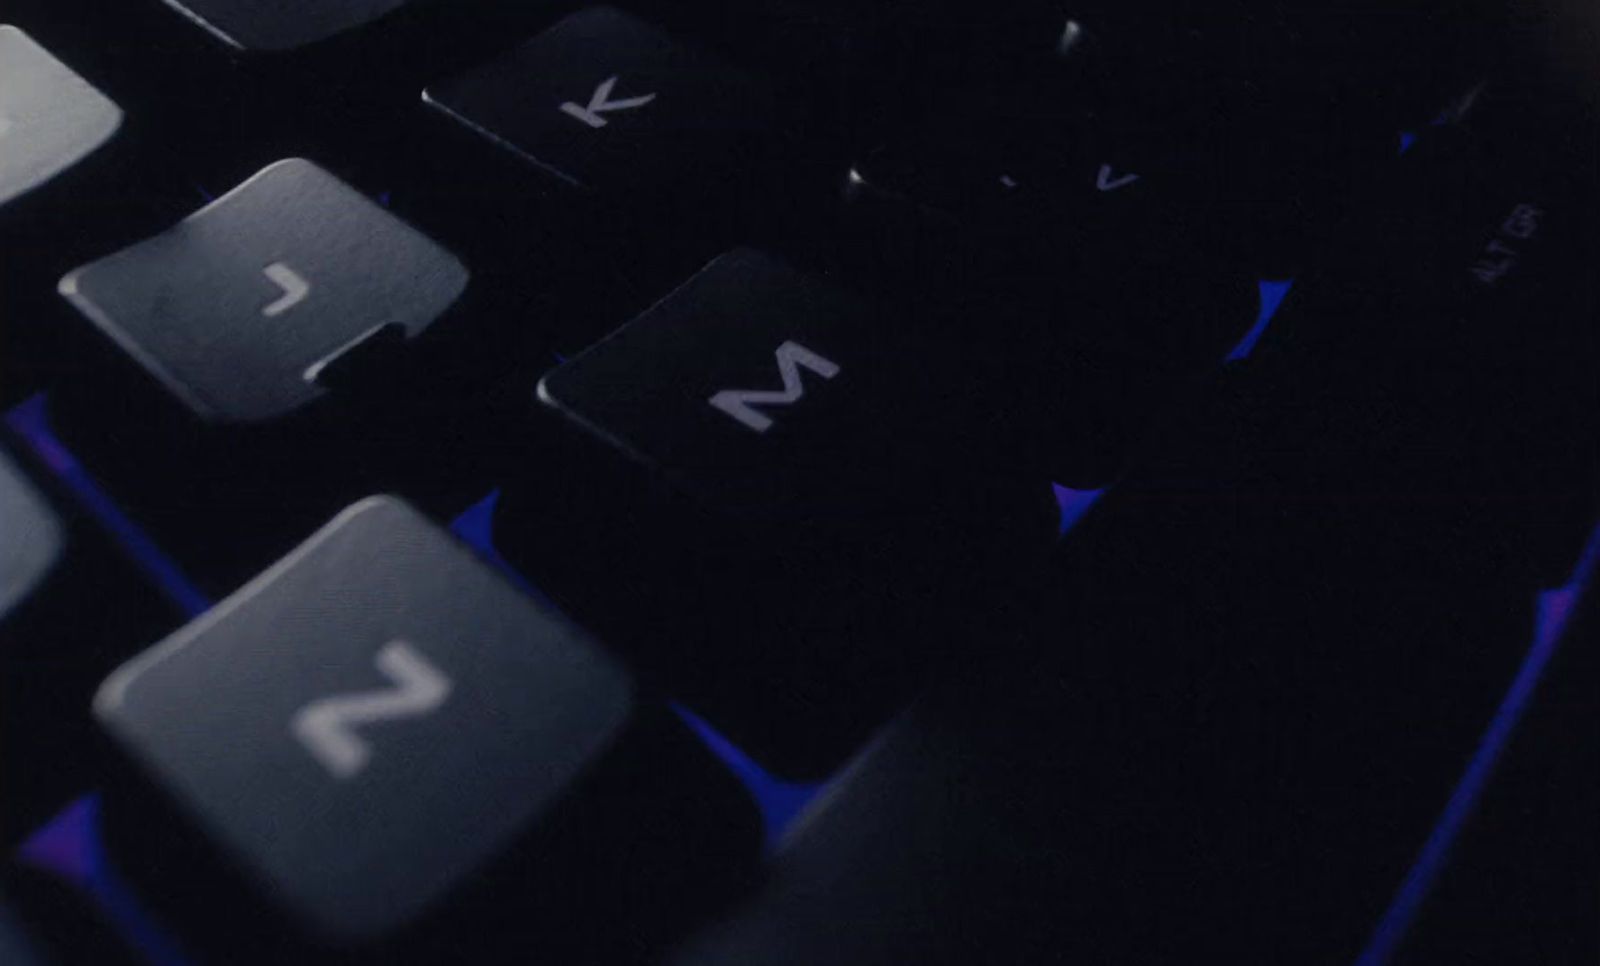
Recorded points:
(381, 722)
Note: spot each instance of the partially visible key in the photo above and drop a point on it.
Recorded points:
(50, 118)
(1454, 319)
(33, 538)
(66, 602)
(254, 25)
(55, 132)
(381, 730)
(15, 948)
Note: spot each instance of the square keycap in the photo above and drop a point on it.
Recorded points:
(607, 102)
(369, 721)
(50, 118)
(237, 308)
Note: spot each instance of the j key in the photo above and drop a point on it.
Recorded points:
(289, 324)
(603, 101)
(55, 646)
(381, 726)
(242, 308)
(50, 118)
(771, 437)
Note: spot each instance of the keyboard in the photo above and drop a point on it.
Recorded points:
(799, 481)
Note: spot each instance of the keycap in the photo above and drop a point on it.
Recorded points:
(241, 308)
(604, 101)
(33, 537)
(66, 600)
(764, 444)
(367, 727)
(253, 25)
(50, 118)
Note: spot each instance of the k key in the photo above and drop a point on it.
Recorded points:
(603, 101)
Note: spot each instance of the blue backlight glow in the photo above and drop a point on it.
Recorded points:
(30, 420)
(1074, 505)
(70, 848)
(1554, 610)
(779, 801)
(1272, 296)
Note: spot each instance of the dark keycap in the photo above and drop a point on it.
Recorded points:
(1247, 704)
(773, 450)
(33, 540)
(50, 118)
(604, 101)
(1453, 321)
(270, 25)
(741, 384)
(240, 309)
(374, 720)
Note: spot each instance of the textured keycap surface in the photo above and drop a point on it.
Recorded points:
(603, 100)
(236, 308)
(50, 118)
(370, 719)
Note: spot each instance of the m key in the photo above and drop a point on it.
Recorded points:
(380, 723)
(775, 435)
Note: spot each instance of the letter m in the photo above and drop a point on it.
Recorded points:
(741, 403)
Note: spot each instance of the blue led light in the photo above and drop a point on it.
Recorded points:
(1074, 505)
(70, 848)
(1555, 608)
(30, 420)
(779, 801)
(1272, 296)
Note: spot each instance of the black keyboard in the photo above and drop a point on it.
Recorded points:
(799, 481)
